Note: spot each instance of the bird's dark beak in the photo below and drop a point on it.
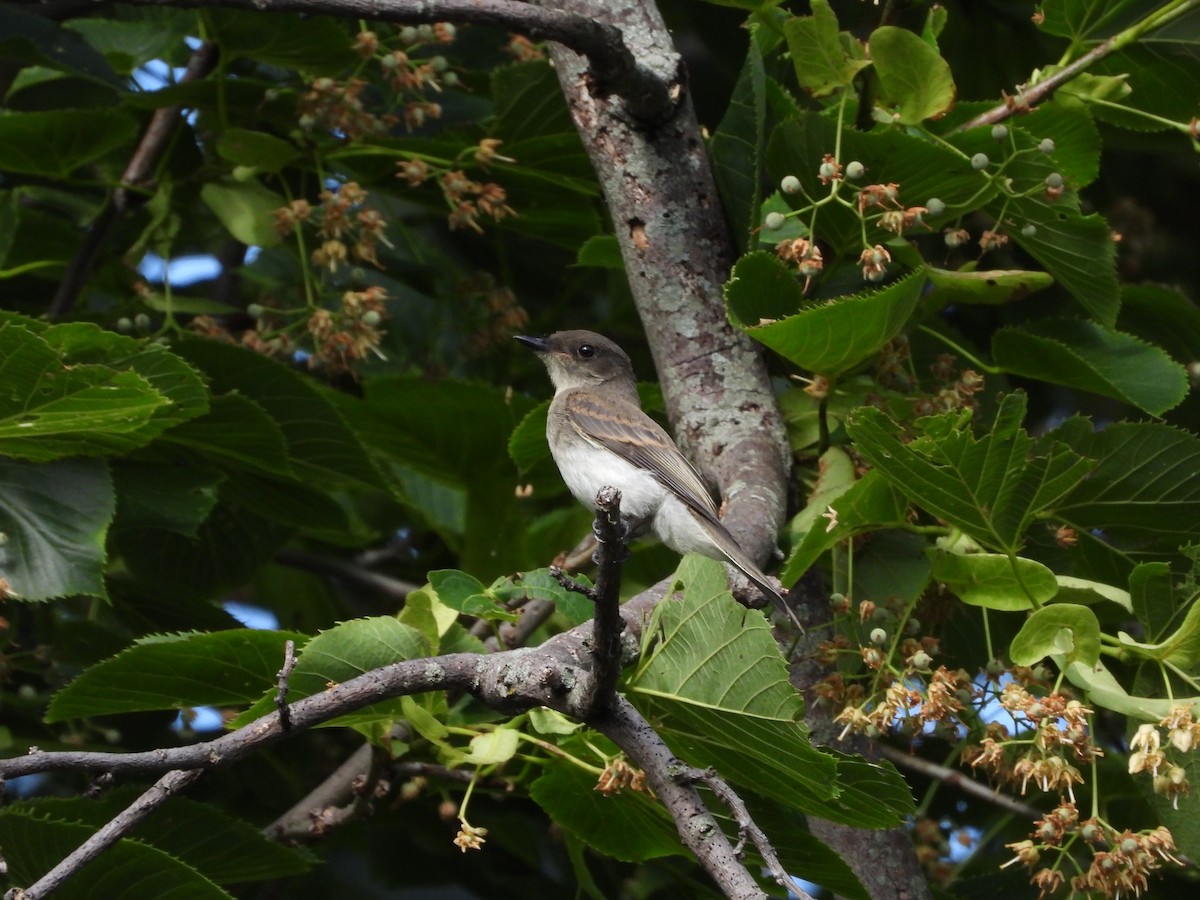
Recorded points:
(536, 344)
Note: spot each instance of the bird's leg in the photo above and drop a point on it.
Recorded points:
(630, 529)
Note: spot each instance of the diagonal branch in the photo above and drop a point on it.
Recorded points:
(166, 787)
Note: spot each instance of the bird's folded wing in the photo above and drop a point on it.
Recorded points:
(623, 428)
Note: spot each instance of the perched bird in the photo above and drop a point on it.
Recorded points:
(599, 436)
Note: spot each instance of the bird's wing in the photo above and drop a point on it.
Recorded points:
(623, 428)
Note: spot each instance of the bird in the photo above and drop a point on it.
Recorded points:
(599, 436)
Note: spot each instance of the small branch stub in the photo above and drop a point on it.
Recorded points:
(281, 704)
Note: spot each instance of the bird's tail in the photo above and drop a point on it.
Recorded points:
(737, 557)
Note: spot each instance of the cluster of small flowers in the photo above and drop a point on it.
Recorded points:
(805, 254)
(261, 339)
(933, 848)
(1119, 870)
(619, 775)
(345, 337)
(339, 107)
(907, 702)
(1059, 723)
(503, 314)
(467, 198)
(1147, 755)
(958, 388)
(346, 227)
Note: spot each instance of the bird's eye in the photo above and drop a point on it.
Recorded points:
(587, 351)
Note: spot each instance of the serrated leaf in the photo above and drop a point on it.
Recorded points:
(226, 668)
(1152, 596)
(466, 594)
(236, 431)
(871, 503)
(1061, 629)
(54, 143)
(912, 74)
(318, 44)
(176, 498)
(320, 445)
(128, 870)
(54, 517)
(818, 53)
(993, 580)
(717, 682)
(343, 652)
(1086, 355)
(245, 209)
(991, 485)
(1142, 500)
(50, 409)
(767, 302)
(737, 146)
(225, 849)
(629, 825)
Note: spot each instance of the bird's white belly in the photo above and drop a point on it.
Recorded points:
(586, 469)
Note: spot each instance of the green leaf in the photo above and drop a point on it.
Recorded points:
(716, 681)
(318, 45)
(128, 44)
(128, 870)
(1181, 648)
(1141, 499)
(824, 61)
(738, 145)
(601, 251)
(50, 408)
(344, 652)
(1061, 629)
(466, 594)
(244, 208)
(236, 431)
(493, 747)
(1104, 690)
(912, 75)
(991, 485)
(54, 519)
(1161, 316)
(629, 825)
(767, 302)
(175, 498)
(56, 142)
(993, 580)
(321, 447)
(263, 151)
(871, 503)
(1152, 594)
(1077, 250)
(990, 287)
(1086, 355)
(1088, 593)
(226, 668)
(225, 849)
(28, 37)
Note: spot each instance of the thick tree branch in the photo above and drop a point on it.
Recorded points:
(166, 787)
(678, 251)
(667, 776)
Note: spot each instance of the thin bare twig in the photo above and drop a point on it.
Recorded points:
(353, 572)
(137, 174)
(956, 779)
(121, 824)
(1029, 96)
(746, 827)
(608, 625)
(698, 830)
(281, 704)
